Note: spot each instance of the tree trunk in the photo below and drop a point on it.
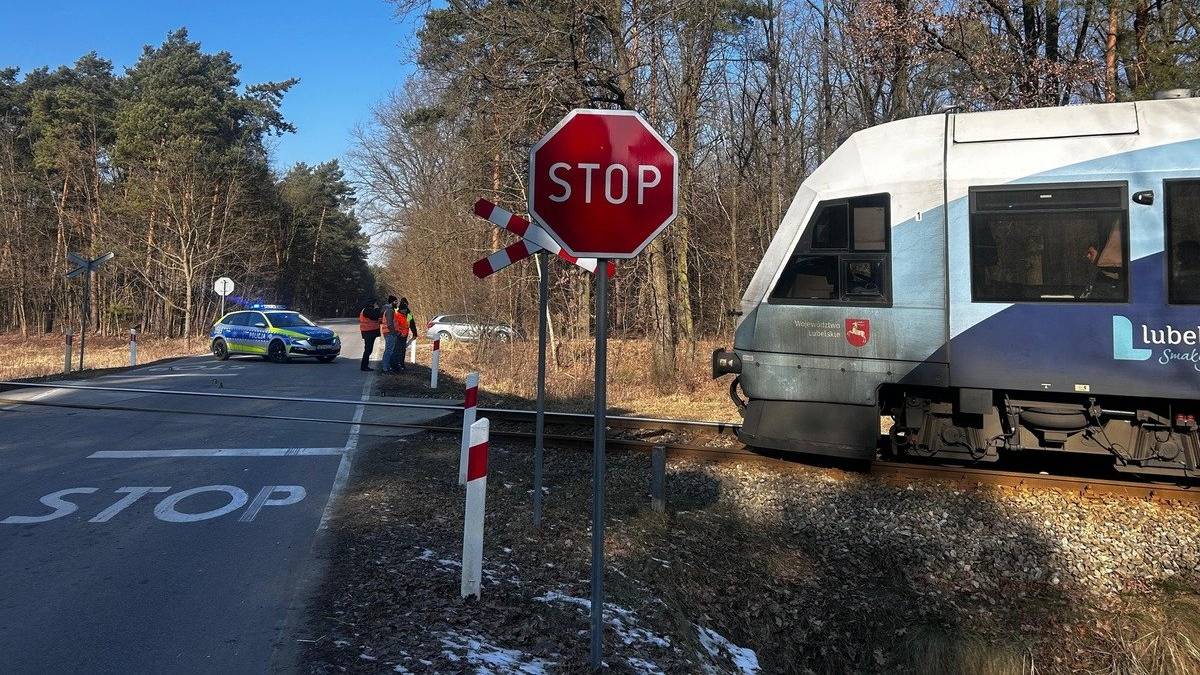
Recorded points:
(663, 360)
(1110, 52)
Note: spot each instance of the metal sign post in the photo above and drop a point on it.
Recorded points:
(87, 268)
(539, 429)
(598, 463)
(640, 187)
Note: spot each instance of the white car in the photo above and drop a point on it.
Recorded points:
(468, 327)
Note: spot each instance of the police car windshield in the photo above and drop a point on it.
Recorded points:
(288, 319)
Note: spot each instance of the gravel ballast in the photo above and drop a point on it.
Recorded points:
(754, 567)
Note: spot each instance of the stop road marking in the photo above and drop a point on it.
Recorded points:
(167, 510)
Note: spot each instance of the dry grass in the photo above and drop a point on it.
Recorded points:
(43, 355)
(1155, 635)
(509, 373)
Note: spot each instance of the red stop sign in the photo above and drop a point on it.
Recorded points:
(604, 183)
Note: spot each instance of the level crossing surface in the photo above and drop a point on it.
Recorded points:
(163, 542)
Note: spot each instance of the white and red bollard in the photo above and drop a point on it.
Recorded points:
(472, 560)
(433, 363)
(70, 336)
(132, 347)
(470, 406)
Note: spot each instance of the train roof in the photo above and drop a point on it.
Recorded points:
(997, 147)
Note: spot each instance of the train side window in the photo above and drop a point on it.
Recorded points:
(1182, 211)
(1052, 243)
(843, 256)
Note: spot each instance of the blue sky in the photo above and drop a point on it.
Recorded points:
(348, 54)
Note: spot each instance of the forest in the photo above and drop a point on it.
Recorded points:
(752, 94)
(167, 166)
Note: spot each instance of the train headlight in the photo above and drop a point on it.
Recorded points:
(726, 363)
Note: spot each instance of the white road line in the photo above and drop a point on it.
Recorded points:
(217, 452)
(144, 376)
(343, 472)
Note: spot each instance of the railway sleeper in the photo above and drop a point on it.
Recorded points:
(940, 425)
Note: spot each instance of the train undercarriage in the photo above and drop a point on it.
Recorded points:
(979, 425)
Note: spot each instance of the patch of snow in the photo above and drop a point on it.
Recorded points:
(555, 596)
(401, 669)
(367, 657)
(644, 666)
(488, 658)
(449, 563)
(622, 620)
(744, 659)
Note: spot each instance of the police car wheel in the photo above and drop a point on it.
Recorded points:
(277, 353)
(220, 349)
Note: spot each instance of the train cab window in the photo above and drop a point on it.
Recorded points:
(831, 229)
(1182, 213)
(1050, 243)
(842, 257)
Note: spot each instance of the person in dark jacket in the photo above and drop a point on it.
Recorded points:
(368, 325)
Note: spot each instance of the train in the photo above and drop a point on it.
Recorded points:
(991, 283)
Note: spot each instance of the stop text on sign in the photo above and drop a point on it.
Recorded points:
(616, 181)
(603, 183)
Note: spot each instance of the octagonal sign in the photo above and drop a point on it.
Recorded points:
(603, 183)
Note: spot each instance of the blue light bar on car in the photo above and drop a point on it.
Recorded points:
(260, 306)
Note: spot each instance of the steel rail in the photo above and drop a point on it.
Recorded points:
(1083, 486)
(619, 420)
(967, 477)
(637, 444)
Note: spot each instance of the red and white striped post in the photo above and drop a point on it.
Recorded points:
(470, 405)
(433, 363)
(472, 560)
(132, 347)
(70, 336)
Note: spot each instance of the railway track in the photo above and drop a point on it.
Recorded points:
(897, 472)
(680, 438)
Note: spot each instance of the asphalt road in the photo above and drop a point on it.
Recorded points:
(159, 542)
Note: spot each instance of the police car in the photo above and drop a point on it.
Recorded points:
(274, 333)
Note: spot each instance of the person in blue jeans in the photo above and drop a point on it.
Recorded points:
(387, 326)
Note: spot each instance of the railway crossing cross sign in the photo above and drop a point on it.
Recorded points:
(604, 184)
(86, 268)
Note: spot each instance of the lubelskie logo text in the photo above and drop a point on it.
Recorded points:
(1165, 345)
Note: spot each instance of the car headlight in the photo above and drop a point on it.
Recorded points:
(301, 343)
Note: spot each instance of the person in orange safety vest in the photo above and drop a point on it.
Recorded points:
(368, 325)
